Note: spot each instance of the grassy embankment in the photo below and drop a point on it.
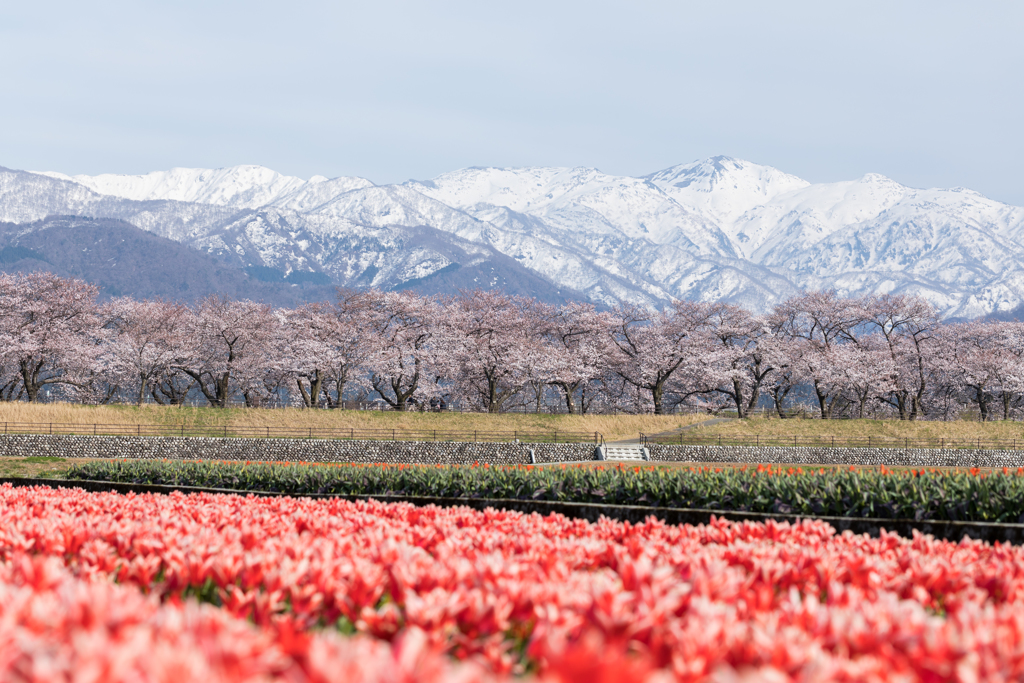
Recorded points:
(43, 467)
(613, 427)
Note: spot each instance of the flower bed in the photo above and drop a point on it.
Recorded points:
(510, 594)
(965, 495)
(55, 626)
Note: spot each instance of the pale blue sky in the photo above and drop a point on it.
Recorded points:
(928, 93)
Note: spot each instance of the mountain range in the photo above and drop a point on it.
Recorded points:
(718, 229)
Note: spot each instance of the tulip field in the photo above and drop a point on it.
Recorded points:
(206, 587)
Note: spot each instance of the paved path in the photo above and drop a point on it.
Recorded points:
(672, 432)
(706, 423)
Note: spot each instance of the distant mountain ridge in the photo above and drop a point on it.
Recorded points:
(716, 229)
(123, 260)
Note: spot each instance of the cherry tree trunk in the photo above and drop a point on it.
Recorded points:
(737, 394)
(310, 396)
(657, 392)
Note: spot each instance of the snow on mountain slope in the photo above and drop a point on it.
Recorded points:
(245, 186)
(957, 248)
(941, 244)
(576, 199)
(723, 188)
(402, 206)
(717, 229)
(514, 188)
(238, 186)
(797, 220)
(398, 205)
(27, 197)
(322, 241)
(318, 191)
(877, 223)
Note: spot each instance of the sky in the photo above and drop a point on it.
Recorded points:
(927, 93)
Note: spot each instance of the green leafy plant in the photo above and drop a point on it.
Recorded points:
(966, 495)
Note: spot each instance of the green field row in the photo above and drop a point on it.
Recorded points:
(907, 494)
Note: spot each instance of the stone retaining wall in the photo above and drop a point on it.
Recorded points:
(453, 453)
(800, 455)
(293, 450)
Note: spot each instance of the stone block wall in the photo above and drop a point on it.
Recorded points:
(463, 453)
(291, 450)
(801, 455)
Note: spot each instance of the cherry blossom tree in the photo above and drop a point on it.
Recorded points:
(147, 342)
(11, 388)
(822, 320)
(743, 360)
(497, 341)
(402, 359)
(970, 363)
(980, 363)
(230, 346)
(785, 357)
(652, 348)
(885, 353)
(1011, 367)
(50, 331)
(263, 375)
(908, 325)
(326, 346)
(172, 386)
(576, 348)
(860, 373)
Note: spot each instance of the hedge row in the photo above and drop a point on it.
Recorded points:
(939, 495)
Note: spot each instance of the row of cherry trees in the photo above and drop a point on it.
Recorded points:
(883, 355)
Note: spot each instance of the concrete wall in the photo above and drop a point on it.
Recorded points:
(293, 450)
(910, 457)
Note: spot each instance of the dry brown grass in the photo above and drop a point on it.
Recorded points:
(612, 427)
(959, 430)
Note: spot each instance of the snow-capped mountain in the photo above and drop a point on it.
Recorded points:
(717, 229)
(246, 187)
